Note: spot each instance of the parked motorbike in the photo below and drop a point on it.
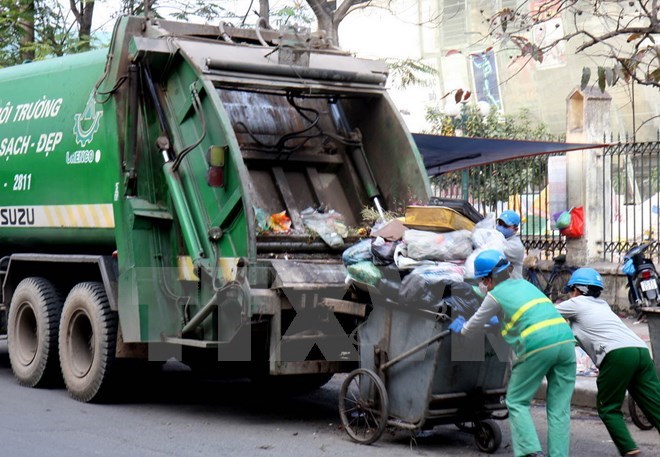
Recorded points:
(642, 279)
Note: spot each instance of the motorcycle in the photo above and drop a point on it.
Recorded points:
(642, 279)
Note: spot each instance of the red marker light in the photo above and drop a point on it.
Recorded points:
(215, 157)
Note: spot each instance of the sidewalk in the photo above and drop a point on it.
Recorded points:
(584, 395)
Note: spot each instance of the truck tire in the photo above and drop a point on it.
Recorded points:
(88, 336)
(34, 315)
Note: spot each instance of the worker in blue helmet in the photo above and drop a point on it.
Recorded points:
(543, 346)
(508, 224)
(621, 356)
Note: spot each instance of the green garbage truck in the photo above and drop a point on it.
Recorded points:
(137, 184)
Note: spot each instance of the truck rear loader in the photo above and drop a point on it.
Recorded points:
(133, 183)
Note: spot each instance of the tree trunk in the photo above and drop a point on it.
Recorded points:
(331, 29)
(84, 17)
(26, 25)
(325, 19)
(329, 16)
(264, 10)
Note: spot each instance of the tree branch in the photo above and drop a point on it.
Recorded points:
(75, 11)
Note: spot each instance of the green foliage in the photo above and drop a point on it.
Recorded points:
(209, 11)
(472, 123)
(410, 72)
(52, 36)
(298, 12)
(493, 182)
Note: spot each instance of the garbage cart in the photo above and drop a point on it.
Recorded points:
(409, 380)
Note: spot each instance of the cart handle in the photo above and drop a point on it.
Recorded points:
(412, 350)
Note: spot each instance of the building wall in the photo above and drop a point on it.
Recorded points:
(451, 37)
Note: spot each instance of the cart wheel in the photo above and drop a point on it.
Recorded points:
(637, 415)
(363, 406)
(487, 436)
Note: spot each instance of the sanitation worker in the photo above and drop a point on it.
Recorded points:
(543, 347)
(508, 224)
(621, 356)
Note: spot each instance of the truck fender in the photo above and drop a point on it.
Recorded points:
(65, 271)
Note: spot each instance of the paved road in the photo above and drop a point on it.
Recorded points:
(179, 416)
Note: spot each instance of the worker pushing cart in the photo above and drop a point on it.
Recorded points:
(544, 347)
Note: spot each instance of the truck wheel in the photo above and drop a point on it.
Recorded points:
(34, 315)
(88, 335)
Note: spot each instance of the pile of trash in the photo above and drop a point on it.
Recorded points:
(422, 268)
(328, 224)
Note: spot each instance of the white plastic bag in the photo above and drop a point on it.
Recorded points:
(330, 226)
(403, 262)
(482, 237)
(423, 245)
(488, 222)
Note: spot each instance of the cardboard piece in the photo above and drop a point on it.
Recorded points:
(391, 231)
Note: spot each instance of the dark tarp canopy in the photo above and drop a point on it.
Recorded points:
(443, 154)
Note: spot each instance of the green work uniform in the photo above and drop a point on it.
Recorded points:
(628, 368)
(544, 347)
(623, 361)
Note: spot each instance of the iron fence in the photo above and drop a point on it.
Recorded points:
(521, 185)
(631, 198)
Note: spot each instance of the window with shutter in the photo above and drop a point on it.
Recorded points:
(454, 24)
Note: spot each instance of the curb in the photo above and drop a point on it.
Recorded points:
(584, 395)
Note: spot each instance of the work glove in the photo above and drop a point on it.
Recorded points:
(457, 325)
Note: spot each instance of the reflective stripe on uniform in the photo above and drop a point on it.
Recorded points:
(520, 312)
(542, 324)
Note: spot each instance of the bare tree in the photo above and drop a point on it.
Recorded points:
(329, 14)
(621, 34)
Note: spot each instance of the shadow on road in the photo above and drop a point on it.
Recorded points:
(175, 384)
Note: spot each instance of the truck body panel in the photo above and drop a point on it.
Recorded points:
(159, 156)
(59, 165)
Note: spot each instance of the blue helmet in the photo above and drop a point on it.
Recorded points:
(489, 262)
(510, 217)
(585, 277)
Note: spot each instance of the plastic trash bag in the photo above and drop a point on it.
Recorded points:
(403, 262)
(423, 245)
(575, 228)
(629, 267)
(483, 239)
(261, 219)
(383, 251)
(390, 283)
(365, 272)
(584, 365)
(488, 237)
(425, 286)
(489, 222)
(359, 252)
(463, 299)
(279, 222)
(564, 220)
(330, 226)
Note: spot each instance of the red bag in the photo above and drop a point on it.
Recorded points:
(576, 227)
